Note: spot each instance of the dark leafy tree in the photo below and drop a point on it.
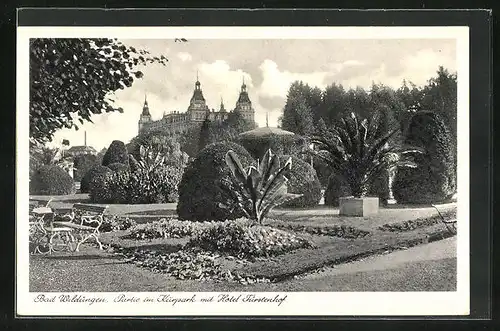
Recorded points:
(333, 104)
(433, 180)
(440, 96)
(116, 153)
(205, 181)
(72, 78)
(297, 114)
(83, 163)
(204, 136)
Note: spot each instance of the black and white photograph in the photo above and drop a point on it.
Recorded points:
(238, 170)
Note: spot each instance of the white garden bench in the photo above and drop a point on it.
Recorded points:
(85, 222)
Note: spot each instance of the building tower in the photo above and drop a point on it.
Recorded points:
(145, 116)
(244, 105)
(222, 109)
(198, 109)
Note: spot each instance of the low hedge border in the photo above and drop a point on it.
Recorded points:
(341, 231)
(418, 223)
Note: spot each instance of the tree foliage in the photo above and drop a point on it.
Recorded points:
(433, 180)
(72, 78)
(201, 191)
(297, 113)
(116, 153)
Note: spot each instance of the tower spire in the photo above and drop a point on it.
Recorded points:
(267, 119)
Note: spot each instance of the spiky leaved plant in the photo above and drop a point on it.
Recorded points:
(357, 151)
(260, 188)
(150, 159)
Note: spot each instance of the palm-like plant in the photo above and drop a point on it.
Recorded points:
(150, 159)
(261, 188)
(357, 151)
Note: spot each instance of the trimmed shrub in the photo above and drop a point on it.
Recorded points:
(83, 163)
(302, 180)
(159, 186)
(337, 187)
(200, 191)
(51, 180)
(239, 238)
(116, 153)
(280, 145)
(380, 187)
(118, 167)
(110, 187)
(87, 178)
(433, 180)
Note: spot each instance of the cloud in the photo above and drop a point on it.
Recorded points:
(271, 103)
(276, 82)
(184, 56)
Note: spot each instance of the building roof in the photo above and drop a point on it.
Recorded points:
(266, 132)
(145, 108)
(79, 149)
(243, 98)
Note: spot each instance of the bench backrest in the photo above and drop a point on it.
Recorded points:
(89, 208)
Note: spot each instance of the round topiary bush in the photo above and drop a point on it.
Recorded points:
(433, 180)
(83, 163)
(257, 145)
(380, 188)
(116, 153)
(118, 167)
(200, 189)
(302, 180)
(95, 170)
(337, 187)
(51, 180)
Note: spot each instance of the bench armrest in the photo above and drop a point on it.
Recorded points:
(97, 219)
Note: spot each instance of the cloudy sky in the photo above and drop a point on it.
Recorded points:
(268, 67)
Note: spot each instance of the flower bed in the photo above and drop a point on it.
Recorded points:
(188, 264)
(166, 228)
(342, 231)
(419, 222)
(115, 223)
(239, 238)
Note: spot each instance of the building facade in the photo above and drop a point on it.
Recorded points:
(197, 112)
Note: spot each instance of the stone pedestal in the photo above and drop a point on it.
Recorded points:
(358, 207)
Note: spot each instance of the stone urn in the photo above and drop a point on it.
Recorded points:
(358, 207)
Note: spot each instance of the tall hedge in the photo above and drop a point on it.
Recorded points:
(337, 188)
(200, 189)
(433, 180)
(302, 180)
(116, 153)
(51, 180)
(87, 178)
(83, 163)
(118, 167)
